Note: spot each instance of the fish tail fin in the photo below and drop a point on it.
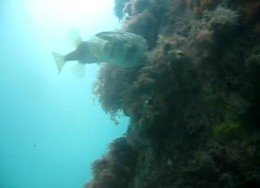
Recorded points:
(59, 60)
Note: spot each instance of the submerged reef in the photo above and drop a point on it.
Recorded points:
(115, 169)
(193, 104)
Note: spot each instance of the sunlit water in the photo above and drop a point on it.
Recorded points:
(50, 127)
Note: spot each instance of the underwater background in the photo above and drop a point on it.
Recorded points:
(190, 110)
(51, 128)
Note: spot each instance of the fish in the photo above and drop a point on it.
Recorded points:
(123, 49)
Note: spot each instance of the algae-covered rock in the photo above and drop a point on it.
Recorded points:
(116, 169)
(194, 104)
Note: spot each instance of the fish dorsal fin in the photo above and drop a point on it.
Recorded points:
(108, 35)
(75, 37)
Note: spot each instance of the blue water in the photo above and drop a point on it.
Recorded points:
(50, 127)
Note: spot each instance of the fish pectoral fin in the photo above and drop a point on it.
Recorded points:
(79, 70)
(59, 60)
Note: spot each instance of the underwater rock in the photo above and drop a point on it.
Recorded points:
(194, 104)
(146, 20)
(118, 8)
(116, 169)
